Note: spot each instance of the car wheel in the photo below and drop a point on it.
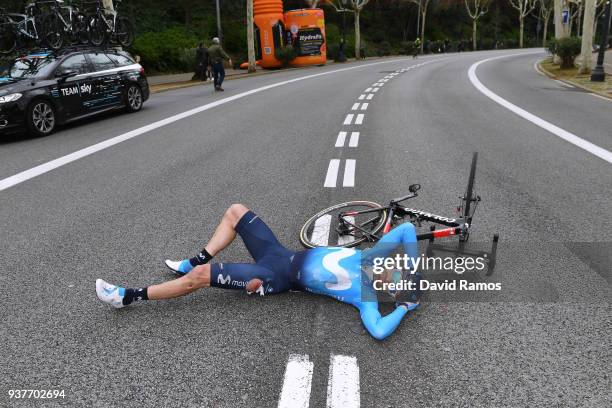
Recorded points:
(133, 98)
(41, 118)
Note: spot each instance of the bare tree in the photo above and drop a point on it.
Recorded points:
(476, 9)
(355, 7)
(423, 5)
(585, 60)
(524, 7)
(546, 9)
(250, 36)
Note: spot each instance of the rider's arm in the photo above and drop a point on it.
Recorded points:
(404, 234)
(380, 327)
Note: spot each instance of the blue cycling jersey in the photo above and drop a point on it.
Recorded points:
(330, 271)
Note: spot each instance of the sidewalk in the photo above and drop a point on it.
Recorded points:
(186, 77)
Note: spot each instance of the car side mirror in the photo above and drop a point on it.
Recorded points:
(65, 74)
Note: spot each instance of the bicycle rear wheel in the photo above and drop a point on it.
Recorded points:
(329, 228)
(97, 31)
(8, 36)
(469, 191)
(124, 32)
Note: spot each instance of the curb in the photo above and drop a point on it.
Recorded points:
(577, 85)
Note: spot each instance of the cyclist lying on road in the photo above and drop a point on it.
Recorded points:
(330, 271)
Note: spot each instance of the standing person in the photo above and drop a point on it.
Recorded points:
(417, 47)
(201, 62)
(217, 56)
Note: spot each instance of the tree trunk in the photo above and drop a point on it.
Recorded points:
(585, 60)
(545, 33)
(474, 34)
(423, 29)
(522, 26)
(357, 36)
(250, 36)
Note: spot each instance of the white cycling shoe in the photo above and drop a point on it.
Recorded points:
(111, 294)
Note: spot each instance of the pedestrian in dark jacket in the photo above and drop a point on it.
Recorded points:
(217, 57)
(201, 62)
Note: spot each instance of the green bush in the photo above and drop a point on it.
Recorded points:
(285, 54)
(168, 50)
(567, 49)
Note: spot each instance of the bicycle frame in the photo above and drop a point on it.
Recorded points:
(22, 23)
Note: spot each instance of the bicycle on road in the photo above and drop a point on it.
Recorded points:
(352, 223)
(115, 29)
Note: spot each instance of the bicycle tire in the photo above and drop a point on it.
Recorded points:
(124, 32)
(309, 243)
(97, 31)
(8, 37)
(52, 29)
(470, 188)
(80, 34)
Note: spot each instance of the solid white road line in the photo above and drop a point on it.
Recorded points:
(332, 173)
(53, 164)
(349, 173)
(365, 106)
(359, 119)
(370, 96)
(361, 97)
(297, 383)
(563, 83)
(320, 231)
(601, 97)
(348, 119)
(343, 383)
(537, 68)
(355, 106)
(345, 239)
(354, 139)
(340, 139)
(555, 130)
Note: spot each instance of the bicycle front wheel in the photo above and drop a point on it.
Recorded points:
(53, 32)
(8, 37)
(97, 31)
(124, 32)
(340, 226)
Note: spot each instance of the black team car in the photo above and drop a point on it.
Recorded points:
(42, 90)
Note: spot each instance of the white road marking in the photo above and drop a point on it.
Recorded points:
(555, 130)
(368, 89)
(320, 231)
(361, 97)
(370, 96)
(332, 173)
(537, 68)
(349, 173)
(563, 83)
(297, 383)
(365, 106)
(359, 119)
(354, 139)
(343, 383)
(79, 154)
(348, 119)
(355, 106)
(377, 84)
(345, 239)
(374, 89)
(340, 140)
(601, 97)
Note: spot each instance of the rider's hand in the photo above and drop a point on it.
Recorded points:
(253, 286)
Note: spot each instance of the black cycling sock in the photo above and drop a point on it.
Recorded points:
(134, 295)
(201, 258)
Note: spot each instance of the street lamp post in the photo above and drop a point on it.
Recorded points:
(598, 74)
(341, 57)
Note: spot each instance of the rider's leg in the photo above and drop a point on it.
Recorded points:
(198, 278)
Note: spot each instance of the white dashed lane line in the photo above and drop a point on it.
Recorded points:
(361, 97)
(343, 384)
(332, 173)
(349, 119)
(297, 383)
(369, 97)
(355, 106)
(349, 173)
(374, 89)
(340, 139)
(359, 119)
(354, 139)
(368, 89)
(364, 106)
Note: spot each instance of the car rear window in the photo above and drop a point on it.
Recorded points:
(120, 60)
(101, 62)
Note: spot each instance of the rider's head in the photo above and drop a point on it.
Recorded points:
(215, 40)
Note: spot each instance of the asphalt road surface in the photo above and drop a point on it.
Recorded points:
(543, 340)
